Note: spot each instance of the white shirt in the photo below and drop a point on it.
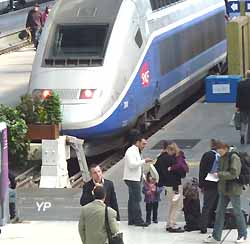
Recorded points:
(133, 164)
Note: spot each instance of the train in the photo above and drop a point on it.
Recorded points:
(120, 64)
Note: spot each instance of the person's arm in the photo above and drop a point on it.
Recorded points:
(237, 105)
(28, 20)
(112, 215)
(203, 170)
(132, 160)
(87, 196)
(113, 200)
(81, 227)
(234, 169)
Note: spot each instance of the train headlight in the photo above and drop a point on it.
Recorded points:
(42, 94)
(87, 93)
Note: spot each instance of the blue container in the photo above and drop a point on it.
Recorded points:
(222, 88)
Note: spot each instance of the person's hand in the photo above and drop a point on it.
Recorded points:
(169, 168)
(237, 109)
(149, 160)
(216, 174)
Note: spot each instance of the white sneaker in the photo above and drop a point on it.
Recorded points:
(241, 239)
(176, 197)
(210, 239)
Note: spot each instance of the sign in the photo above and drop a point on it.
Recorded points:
(145, 75)
(4, 178)
(221, 89)
(247, 6)
(233, 7)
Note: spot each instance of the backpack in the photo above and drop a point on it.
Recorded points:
(244, 177)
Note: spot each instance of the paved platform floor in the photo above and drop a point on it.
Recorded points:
(15, 69)
(67, 232)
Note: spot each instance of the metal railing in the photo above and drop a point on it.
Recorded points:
(13, 41)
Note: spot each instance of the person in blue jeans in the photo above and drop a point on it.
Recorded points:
(229, 191)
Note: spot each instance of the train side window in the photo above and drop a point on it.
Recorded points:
(138, 38)
(157, 4)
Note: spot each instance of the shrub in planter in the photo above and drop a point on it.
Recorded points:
(17, 129)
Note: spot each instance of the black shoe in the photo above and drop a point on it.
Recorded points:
(177, 230)
(155, 221)
(142, 224)
(242, 140)
(130, 223)
(248, 142)
(148, 222)
(203, 231)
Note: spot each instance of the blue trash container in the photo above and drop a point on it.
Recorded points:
(222, 88)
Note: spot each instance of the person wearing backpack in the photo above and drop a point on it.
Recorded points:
(208, 164)
(229, 190)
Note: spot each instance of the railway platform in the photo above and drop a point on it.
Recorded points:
(67, 232)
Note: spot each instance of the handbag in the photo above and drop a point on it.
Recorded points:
(112, 239)
(237, 122)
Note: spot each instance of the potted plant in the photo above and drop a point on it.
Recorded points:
(17, 130)
(43, 116)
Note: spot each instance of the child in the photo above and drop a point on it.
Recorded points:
(191, 205)
(152, 198)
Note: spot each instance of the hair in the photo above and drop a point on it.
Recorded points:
(248, 74)
(165, 144)
(213, 144)
(173, 146)
(222, 145)
(99, 193)
(92, 166)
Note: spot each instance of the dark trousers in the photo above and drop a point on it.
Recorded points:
(245, 125)
(210, 202)
(12, 210)
(134, 208)
(151, 207)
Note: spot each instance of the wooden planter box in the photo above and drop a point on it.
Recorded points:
(42, 131)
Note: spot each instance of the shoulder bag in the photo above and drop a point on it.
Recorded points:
(112, 239)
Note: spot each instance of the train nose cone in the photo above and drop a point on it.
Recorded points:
(76, 116)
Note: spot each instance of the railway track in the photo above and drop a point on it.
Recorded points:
(11, 42)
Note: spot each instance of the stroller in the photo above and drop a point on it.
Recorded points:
(191, 205)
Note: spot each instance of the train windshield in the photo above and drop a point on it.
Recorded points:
(80, 40)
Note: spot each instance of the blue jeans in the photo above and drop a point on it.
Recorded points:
(220, 216)
(134, 208)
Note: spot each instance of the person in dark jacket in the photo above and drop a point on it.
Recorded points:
(12, 198)
(208, 164)
(170, 180)
(97, 179)
(243, 106)
(34, 23)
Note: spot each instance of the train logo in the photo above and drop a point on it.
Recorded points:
(145, 75)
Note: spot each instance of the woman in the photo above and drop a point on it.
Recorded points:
(46, 14)
(172, 181)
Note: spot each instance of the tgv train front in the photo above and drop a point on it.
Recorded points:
(78, 58)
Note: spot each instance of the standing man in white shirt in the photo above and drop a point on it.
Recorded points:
(133, 178)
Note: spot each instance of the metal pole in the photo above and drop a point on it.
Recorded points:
(11, 4)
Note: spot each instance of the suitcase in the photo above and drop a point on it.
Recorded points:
(230, 222)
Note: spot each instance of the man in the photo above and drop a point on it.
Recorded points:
(91, 225)
(12, 199)
(229, 191)
(243, 106)
(133, 178)
(208, 164)
(97, 180)
(34, 23)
